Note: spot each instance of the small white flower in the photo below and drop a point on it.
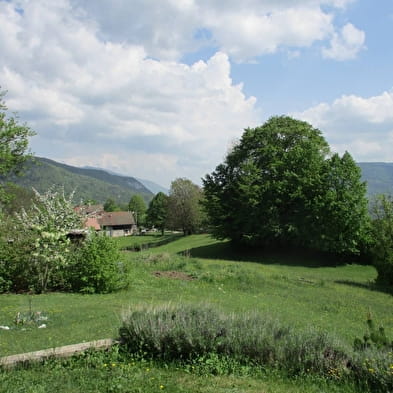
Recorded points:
(43, 326)
(5, 327)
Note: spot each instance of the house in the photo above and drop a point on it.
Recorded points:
(117, 224)
(113, 224)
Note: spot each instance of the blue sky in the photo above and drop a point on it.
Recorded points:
(161, 89)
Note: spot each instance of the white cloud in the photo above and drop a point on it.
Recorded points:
(346, 44)
(362, 126)
(245, 34)
(246, 29)
(102, 81)
(102, 102)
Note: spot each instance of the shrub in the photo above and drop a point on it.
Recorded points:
(188, 332)
(96, 266)
(192, 333)
(16, 271)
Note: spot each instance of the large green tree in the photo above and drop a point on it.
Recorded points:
(184, 209)
(111, 206)
(382, 233)
(138, 208)
(157, 212)
(278, 186)
(14, 140)
(340, 217)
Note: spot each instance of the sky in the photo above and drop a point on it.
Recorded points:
(161, 89)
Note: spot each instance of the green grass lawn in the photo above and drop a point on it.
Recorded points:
(104, 373)
(145, 377)
(299, 290)
(146, 241)
(336, 299)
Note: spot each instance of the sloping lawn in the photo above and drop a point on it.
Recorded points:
(300, 291)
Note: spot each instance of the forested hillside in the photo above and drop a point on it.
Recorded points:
(379, 177)
(89, 184)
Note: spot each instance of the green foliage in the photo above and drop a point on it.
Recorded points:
(14, 139)
(342, 205)
(138, 208)
(157, 212)
(278, 187)
(186, 332)
(16, 271)
(113, 371)
(96, 266)
(184, 209)
(382, 233)
(374, 338)
(18, 198)
(200, 334)
(111, 206)
(36, 253)
(46, 226)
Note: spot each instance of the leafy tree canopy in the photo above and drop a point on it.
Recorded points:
(46, 226)
(184, 209)
(138, 207)
(157, 212)
(382, 230)
(111, 206)
(14, 139)
(280, 186)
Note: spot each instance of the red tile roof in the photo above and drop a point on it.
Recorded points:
(92, 222)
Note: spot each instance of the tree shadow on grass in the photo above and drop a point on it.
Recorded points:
(160, 241)
(372, 286)
(278, 256)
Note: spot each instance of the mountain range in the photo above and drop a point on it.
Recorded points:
(379, 177)
(88, 183)
(98, 184)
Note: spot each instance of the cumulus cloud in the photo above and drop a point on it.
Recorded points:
(103, 84)
(107, 104)
(346, 44)
(243, 29)
(362, 126)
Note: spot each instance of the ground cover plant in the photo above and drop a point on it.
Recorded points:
(296, 291)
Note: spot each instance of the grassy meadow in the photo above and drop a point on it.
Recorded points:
(301, 291)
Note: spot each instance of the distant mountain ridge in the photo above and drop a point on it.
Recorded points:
(379, 177)
(89, 184)
(99, 184)
(150, 185)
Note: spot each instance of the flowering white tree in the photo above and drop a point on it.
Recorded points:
(47, 223)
